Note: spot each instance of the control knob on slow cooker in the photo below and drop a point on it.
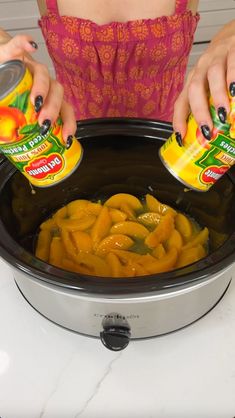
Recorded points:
(115, 338)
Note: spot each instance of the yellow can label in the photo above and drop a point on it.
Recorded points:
(200, 163)
(43, 159)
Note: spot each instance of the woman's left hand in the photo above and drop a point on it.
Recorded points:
(214, 72)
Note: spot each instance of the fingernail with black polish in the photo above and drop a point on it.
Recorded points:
(33, 44)
(178, 138)
(232, 89)
(69, 141)
(206, 132)
(222, 114)
(38, 103)
(45, 126)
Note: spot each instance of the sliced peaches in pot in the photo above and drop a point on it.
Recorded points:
(150, 219)
(175, 240)
(162, 231)
(191, 255)
(154, 205)
(114, 241)
(118, 199)
(166, 263)
(101, 226)
(184, 226)
(133, 229)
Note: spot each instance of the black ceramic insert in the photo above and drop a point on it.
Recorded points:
(119, 156)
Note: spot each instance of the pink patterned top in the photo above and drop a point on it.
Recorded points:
(132, 69)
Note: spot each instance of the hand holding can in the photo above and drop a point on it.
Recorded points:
(39, 153)
(197, 162)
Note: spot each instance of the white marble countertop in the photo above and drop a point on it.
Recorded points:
(48, 372)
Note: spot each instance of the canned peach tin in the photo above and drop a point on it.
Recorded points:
(43, 159)
(199, 163)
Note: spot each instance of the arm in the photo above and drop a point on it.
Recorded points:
(214, 71)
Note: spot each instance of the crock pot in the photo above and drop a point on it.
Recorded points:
(120, 155)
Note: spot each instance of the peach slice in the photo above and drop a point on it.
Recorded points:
(162, 231)
(200, 238)
(94, 208)
(127, 256)
(101, 226)
(97, 265)
(60, 214)
(131, 257)
(77, 224)
(150, 219)
(57, 252)
(184, 226)
(191, 255)
(81, 209)
(118, 199)
(49, 224)
(82, 241)
(43, 245)
(127, 209)
(70, 265)
(117, 215)
(68, 243)
(139, 270)
(114, 264)
(111, 242)
(175, 240)
(154, 205)
(76, 206)
(166, 263)
(159, 251)
(133, 229)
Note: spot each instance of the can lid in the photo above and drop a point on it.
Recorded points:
(11, 73)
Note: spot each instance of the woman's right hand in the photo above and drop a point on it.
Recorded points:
(47, 94)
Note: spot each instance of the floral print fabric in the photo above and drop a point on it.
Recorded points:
(133, 69)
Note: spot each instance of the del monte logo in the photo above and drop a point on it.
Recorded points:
(42, 167)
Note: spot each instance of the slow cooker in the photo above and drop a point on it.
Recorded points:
(120, 155)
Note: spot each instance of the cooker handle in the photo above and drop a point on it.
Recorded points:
(115, 338)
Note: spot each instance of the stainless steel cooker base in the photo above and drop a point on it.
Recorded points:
(145, 316)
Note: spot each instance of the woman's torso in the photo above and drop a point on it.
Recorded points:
(126, 67)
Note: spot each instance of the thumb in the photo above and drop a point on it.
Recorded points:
(16, 47)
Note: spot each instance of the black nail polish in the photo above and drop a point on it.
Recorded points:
(38, 103)
(45, 126)
(69, 141)
(178, 138)
(33, 44)
(232, 89)
(206, 132)
(222, 114)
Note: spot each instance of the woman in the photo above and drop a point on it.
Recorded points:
(126, 58)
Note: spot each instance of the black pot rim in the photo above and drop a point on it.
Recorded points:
(188, 276)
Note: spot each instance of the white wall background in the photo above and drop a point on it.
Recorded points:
(21, 16)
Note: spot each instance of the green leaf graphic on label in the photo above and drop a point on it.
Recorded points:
(209, 158)
(21, 101)
(29, 129)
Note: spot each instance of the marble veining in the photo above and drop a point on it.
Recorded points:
(107, 371)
